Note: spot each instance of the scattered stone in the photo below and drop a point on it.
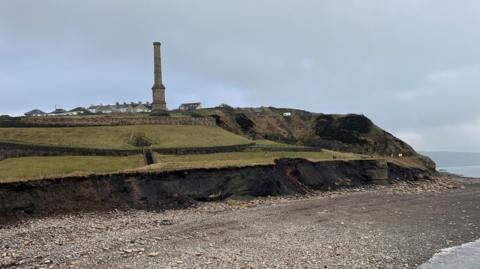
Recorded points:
(166, 222)
(309, 231)
(153, 254)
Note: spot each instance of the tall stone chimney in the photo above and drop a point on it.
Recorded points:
(159, 106)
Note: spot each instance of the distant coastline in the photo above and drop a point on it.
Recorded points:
(466, 164)
(453, 159)
(466, 171)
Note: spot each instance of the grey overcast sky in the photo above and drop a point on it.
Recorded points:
(412, 66)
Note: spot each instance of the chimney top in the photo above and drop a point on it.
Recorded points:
(156, 43)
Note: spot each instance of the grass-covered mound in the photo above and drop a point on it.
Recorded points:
(26, 168)
(348, 133)
(117, 137)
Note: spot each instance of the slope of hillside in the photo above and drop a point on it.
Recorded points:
(117, 137)
(348, 133)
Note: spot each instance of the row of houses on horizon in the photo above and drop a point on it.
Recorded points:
(108, 109)
(95, 109)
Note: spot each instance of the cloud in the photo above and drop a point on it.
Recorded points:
(462, 136)
(407, 64)
(443, 83)
(414, 139)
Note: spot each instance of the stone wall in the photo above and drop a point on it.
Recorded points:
(288, 149)
(11, 150)
(107, 120)
(203, 150)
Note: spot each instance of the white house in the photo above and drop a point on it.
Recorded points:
(190, 106)
(92, 108)
(107, 109)
(141, 108)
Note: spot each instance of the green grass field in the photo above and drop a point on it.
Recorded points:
(32, 168)
(116, 137)
(28, 168)
(237, 159)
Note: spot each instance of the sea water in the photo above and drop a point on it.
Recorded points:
(466, 256)
(467, 171)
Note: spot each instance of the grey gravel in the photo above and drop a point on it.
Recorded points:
(399, 226)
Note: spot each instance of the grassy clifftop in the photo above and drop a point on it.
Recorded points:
(27, 168)
(238, 159)
(30, 168)
(117, 137)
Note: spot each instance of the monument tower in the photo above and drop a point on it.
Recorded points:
(159, 106)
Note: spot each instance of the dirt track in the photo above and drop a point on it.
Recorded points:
(368, 229)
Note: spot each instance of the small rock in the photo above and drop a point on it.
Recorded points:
(166, 222)
(74, 262)
(153, 254)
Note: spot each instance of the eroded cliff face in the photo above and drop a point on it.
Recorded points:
(161, 190)
(349, 133)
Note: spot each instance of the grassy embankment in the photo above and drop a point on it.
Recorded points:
(237, 159)
(31, 168)
(116, 137)
(27, 168)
